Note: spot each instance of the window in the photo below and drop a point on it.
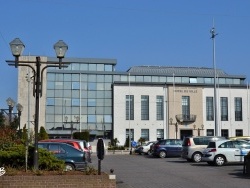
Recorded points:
(50, 101)
(159, 108)
(144, 107)
(224, 132)
(186, 107)
(193, 80)
(238, 132)
(131, 133)
(224, 108)
(145, 134)
(56, 149)
(130, 107)
(75, 85)
(91, 102)
(75, 102)
(210, 132)
(238, 108)
(160, 134)
(209, 109)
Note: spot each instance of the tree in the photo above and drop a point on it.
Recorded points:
(2, 119)
(43, 134)
(141, 140)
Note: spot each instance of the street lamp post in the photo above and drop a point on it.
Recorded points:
(19, 108)
(17, 48)
(212, 31)
(11, 104)
(176, 126)
(77, 118)
(199, 129)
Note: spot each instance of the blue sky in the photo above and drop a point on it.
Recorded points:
(135, 32)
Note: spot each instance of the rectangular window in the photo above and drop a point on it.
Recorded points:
(238, 108)
(131, 134)
(224, 108)
(50, 101)
(145, 134)
(209, 109)
(186, 107)
(75, 102)
(224, 132)
(238, 132)
(210, 132)
(144, 107)
(159, 108)
(130, 107)
(75, 85)
(160, 134)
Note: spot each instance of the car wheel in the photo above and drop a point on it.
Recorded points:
(162, 154)
(210, 163)
(149, 152)
(69, 167)
(219, 160)
(196, 157)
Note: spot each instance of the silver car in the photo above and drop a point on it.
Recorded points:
(225, 151)
(192, 147)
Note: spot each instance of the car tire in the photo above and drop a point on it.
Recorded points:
(219, 160)
(69, 167)
(162, 154)
(196, 157)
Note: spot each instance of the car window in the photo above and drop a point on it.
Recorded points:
(162, 142)
(201, 141)
(228, 144)
(55, 148)
(168, 142)
(241, 144)
(178, 142)
(211, 145)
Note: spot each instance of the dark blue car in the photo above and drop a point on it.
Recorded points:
(167, 147)
(74, 159)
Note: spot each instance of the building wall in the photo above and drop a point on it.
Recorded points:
(175, 108)
(120, 122)
(231, 125)
(25, 93)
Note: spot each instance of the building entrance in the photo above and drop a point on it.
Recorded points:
(185, 133)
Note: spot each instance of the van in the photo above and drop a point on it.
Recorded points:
(192, 147)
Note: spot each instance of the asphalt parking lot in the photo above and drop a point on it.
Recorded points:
(143, 171)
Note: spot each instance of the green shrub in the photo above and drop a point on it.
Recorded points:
(14, 157)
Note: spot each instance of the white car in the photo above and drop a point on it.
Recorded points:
(225, 151)
(146, 147)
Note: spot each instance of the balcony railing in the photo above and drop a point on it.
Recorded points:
(185, 118)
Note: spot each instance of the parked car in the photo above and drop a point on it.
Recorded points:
(167, 147)
(74, 159)
(146, 149)
(225, 151)
(192, 147)
(247, 138)
(138, 149)
(77, 143)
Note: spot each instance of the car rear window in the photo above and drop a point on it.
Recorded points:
(185, 142)
(211, 145)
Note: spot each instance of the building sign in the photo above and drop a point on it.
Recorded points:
(185, 90)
